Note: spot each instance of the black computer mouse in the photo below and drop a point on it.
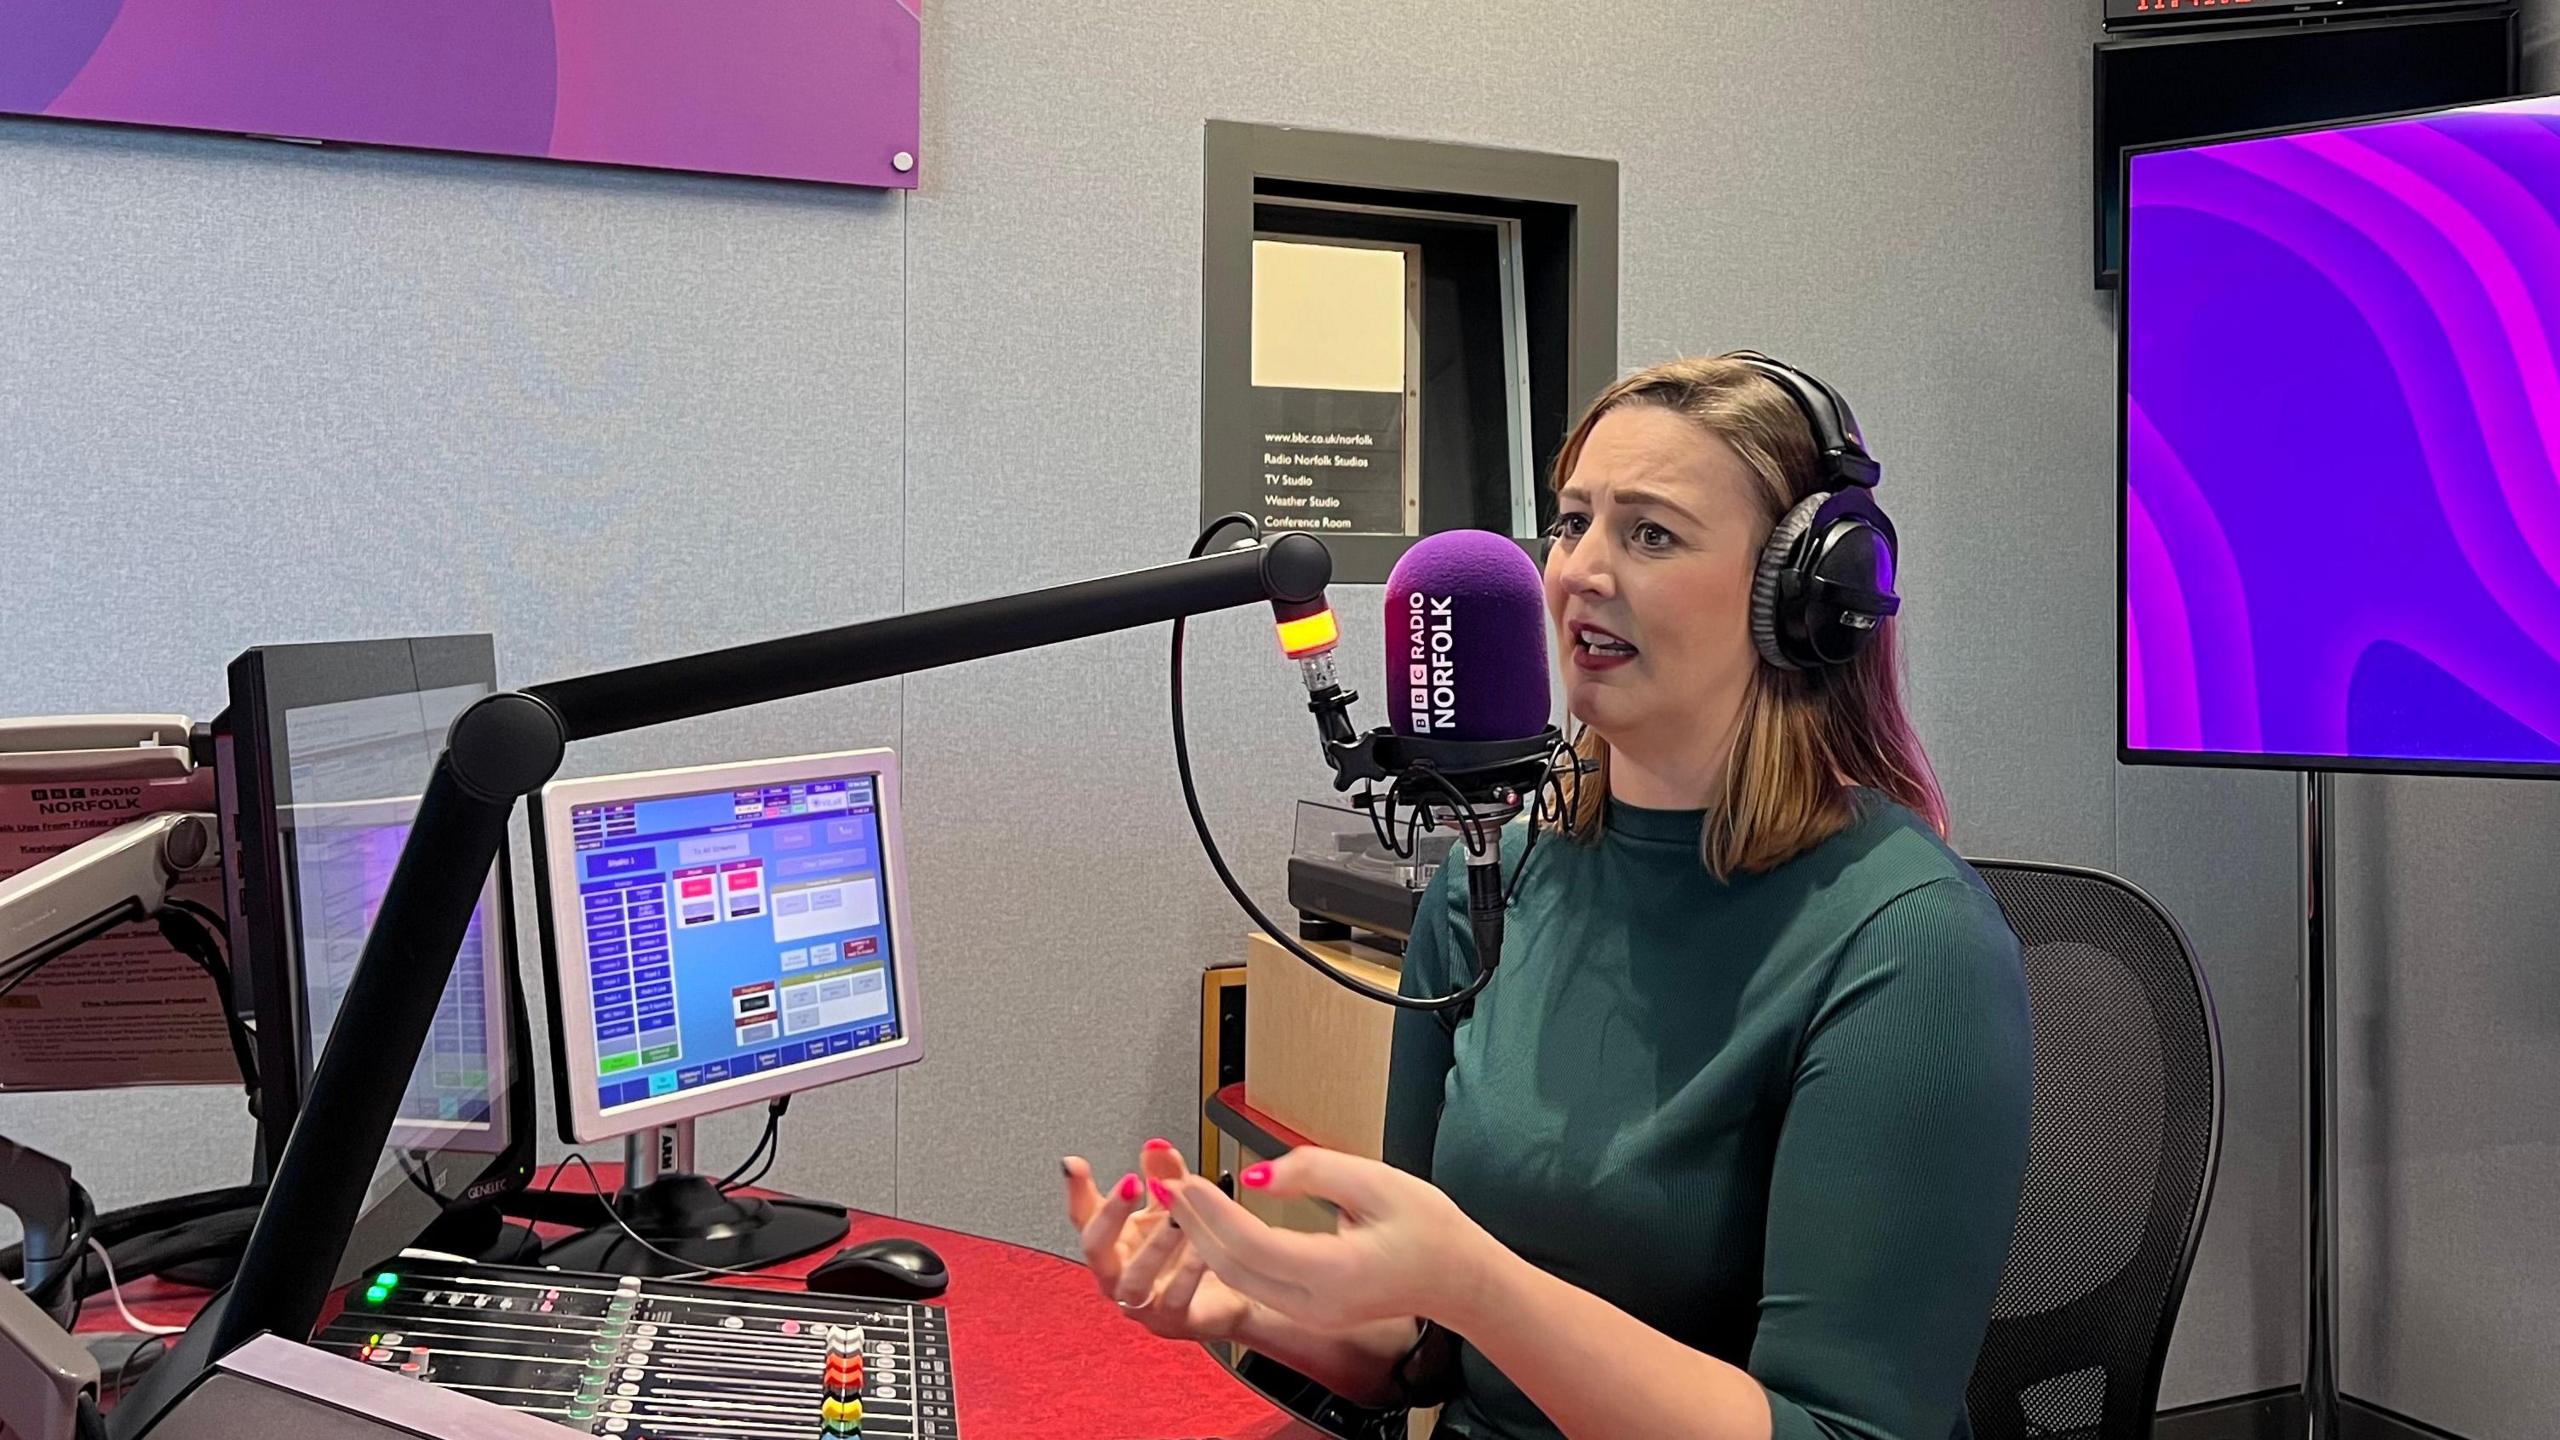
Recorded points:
(893, 1269)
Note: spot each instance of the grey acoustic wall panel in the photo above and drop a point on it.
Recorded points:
(2219, 850)
(2449, 1144)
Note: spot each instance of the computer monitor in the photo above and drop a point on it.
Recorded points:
(715, 937)
(331, 745)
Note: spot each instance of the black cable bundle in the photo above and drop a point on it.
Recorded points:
(190, 928)
(65, 1279)
(767, 1149)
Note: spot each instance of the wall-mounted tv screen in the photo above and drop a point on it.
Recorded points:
(2339, 525)
(2176, 89)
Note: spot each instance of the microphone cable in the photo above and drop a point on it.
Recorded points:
(1455, 1000)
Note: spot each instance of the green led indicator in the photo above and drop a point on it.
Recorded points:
(386, 1280)
(377, 1295)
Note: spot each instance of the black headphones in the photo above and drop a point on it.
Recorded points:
(1825, 582)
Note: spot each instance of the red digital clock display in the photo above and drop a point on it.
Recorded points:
(2165, 9)
(2121, 11)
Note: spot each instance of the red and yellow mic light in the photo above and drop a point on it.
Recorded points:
(1307, 628)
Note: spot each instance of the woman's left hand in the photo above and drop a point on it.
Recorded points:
(1403, 1248)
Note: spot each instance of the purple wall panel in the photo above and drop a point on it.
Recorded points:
(794, 89)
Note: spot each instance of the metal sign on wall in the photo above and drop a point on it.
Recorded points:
(1336, 346)
(1334, 461)
(822, 90)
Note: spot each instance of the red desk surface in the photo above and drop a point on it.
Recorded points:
(1036, 1349)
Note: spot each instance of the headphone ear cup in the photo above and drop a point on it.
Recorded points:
(1777, 561)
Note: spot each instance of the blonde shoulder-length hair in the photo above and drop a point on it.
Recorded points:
(1807, 739)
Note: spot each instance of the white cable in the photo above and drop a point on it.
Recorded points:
(117, 1291)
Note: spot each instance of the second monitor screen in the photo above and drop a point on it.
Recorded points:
(356, 767)
(732, 932)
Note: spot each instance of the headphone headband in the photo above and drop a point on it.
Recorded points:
(1840, 450)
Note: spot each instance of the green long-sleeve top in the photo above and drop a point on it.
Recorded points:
(1781, 1120)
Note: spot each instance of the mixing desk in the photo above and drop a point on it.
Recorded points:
(659, 1359)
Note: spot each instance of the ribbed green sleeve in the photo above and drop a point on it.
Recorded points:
(1895, 1182)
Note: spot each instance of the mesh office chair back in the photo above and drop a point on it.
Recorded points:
(2125, 1137)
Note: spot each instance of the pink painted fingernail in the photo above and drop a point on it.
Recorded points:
(1128, 1189)
(1163, 1196)
(1256, 1176)
(1159, 1143)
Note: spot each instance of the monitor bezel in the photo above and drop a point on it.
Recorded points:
(571, 1004)
(2126, 752)
(266, 683)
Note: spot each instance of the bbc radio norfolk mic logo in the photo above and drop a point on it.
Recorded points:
(87, 800)
(1431, 665)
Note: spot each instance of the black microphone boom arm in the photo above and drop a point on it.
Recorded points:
(507, 746)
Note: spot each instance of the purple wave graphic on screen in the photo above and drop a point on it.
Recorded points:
(2342, 443)
(794, 89)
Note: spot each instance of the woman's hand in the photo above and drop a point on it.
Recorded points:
(1403, 1248)
(1142, 1260)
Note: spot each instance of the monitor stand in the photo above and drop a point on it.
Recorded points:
(686, 1215)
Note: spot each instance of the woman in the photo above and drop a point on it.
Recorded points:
(1731, 1146)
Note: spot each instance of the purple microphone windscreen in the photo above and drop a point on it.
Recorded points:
(1466, 639)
